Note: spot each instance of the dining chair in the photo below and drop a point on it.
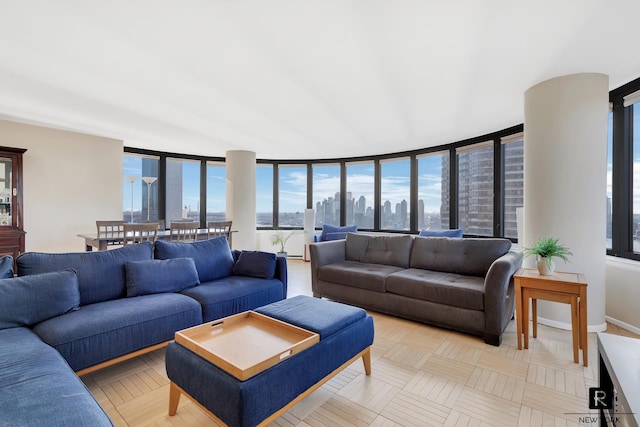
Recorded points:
(110, 229)
(219, 228)
(137, 233)
(184, 231)
(160, 223)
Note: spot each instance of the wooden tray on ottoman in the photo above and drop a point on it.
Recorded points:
(246, 344)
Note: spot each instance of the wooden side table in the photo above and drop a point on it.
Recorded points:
(568, 288)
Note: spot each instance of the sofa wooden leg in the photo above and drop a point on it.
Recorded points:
(366, 360)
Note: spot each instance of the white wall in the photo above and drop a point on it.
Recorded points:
(623, 293)
(70, 181)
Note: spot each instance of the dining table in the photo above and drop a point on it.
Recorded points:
(103, 240)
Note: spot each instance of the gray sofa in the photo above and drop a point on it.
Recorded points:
(460, 284)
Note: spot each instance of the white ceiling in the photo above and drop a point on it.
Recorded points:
(299, 79)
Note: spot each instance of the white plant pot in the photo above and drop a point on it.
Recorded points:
(546, 267)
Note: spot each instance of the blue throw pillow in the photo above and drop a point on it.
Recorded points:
(160, 275)
(455, 232)
(212, 257)
(334, 232)
(6, 267)
(25, 301)
(255, 264)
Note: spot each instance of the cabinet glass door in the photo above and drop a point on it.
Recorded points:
(5, 191)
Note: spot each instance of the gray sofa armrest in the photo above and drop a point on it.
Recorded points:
(324, 253)
(499, 301)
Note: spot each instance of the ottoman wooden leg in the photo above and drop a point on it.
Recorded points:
(174, 398)
(366, 359)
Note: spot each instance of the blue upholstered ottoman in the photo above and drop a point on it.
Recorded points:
(346, 334)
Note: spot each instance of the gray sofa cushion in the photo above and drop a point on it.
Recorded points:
(388, 250)
(357, 274)
(463, 256)
(444, 288)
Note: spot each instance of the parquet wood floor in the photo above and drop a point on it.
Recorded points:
(422, 376)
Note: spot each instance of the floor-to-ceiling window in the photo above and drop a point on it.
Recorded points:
(292, 195)
(395, 183)
(475, 188)
(610, 181)
(264, 195)
(326, 194)
(216, 191)
(360, 188)
(635, 199)
(140, 188)
(432, 194)
(182, 188)
(513, 182)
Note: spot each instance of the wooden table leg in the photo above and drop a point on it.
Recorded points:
(582, 307)
(534, 316)
(525, 317)
(174, 398)
(518, 295)
(575, 328)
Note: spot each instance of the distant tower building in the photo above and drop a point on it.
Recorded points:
(404, 215)
(421, 223)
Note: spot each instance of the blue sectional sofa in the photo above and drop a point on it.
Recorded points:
(68, 314)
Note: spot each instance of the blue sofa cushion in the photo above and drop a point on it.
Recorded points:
(160, 275)
(455, 232)
(103, 331)
(28, 300)
(212, 257)
(37, 387)
(235, 294)
(334, 232)
(255, 264)
(313, 314)
(101, 275)
(6, 267)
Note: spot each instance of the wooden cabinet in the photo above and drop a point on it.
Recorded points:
(11, 226)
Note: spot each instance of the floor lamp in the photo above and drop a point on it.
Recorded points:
(149, 180)
(132, 179)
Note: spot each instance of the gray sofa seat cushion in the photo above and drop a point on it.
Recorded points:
(469, 256)
(387, 250)
(357, 274)
(439, 287)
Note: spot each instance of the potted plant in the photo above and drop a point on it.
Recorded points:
(545, 249)
(280, 238)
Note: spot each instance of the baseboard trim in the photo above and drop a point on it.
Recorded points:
(623, 325)
(567, 326)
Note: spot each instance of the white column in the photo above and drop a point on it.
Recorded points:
(565, 156)
(241, 197)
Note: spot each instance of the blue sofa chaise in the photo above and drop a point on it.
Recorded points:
(88, 310)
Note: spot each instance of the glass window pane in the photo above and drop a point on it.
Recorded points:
(140, 188)
(264, 195)
(433, 195)
(394, 187)
(609, 181)
(6, 212)
(360, 185)
(475, 190)
(513, 161)
(216, 192)
(292, 197)
(326, 194)
(636, 179)
(183, 190)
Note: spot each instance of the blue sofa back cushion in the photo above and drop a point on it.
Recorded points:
(160, 275)
(101, 274)
(212, 257)
(334, 232)
(455, 232)
(6, 267)
(25, 301)
(255, 264)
